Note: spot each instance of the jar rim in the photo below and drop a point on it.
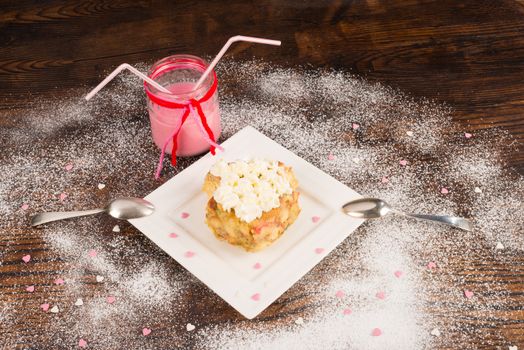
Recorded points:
(191, 62)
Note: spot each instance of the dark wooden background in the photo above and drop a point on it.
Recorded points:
(468, 54)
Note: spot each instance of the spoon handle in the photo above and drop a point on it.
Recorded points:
(43, 218)
(454, 221)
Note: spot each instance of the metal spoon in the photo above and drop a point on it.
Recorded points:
(120, 208)
(370, 208)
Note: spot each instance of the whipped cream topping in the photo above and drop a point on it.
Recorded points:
(250, 187)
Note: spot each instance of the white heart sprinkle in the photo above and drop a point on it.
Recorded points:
(101, 186)
(116, 228)
(499, 246)
(409, 133)
(435, 332)
(478, 190)
(54, 309)
(99, 278)
(190, 327)
(79, 302)
(356, 160)
(299, 320)
(513, 347)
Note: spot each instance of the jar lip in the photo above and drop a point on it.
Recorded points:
(192, 62)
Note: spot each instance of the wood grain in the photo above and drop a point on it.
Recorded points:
(467, 54)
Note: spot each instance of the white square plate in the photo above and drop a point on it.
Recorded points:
(249, 282)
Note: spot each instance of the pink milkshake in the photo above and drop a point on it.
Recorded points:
(179, 74)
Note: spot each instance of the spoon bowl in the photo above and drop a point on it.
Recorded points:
(129, 208)
(367, 208)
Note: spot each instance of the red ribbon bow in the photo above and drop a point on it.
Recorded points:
(188, 107)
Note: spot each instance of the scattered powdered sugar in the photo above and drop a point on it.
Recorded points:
(149, 287)
(289, 83)
(374, 291)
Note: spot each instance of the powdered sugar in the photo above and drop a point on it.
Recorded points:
(311, 112)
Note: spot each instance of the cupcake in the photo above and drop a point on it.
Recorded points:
(251, 203)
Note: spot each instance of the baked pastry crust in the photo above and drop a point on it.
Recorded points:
(259, 233)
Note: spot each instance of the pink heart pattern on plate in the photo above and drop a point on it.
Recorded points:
(376, 332)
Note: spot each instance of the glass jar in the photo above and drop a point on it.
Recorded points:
(179, 74)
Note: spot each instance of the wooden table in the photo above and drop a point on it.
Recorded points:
(467, 54)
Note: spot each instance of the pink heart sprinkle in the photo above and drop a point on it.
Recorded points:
(432, 265)
(184, 215)
(189, 254)
(30, 289)
(62, 196)
(257, 266)
(468, 294)
(346, 312)
(319, 250)
(25, 206)
(403, 162)
(92, 253)
(376, 332)
(26, 258)
(340, 294)
(385, 180)
(111, 299)
(45, 307)
(444, 190)
(173, 235)
(59, 281)
(315, 219)
(68, 167)
(255, 297)
(82, 343)
(398, 274)
(467, 135)
(146, 331)
(381, 295)
(355, 126)
(331, 157)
